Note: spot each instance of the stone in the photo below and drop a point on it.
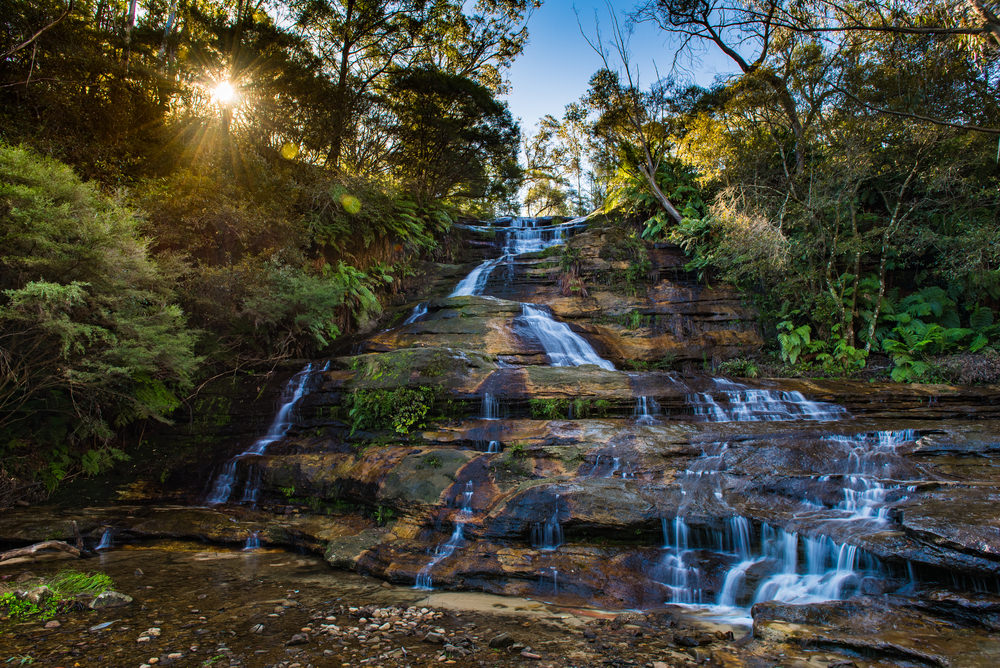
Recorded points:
(38, 596)
(52, 624)
(257, 628)
(501, 641)
(110, 599)
(297, 639)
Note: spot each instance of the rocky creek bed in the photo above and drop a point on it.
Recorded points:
(595, 516)
(194, 606)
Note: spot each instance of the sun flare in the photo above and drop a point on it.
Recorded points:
(224, 93)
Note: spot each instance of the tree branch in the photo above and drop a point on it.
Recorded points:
(30, 40)
(917, 117)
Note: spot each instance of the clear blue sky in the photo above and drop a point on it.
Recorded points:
(557, 63)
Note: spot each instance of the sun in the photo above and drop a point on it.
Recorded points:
(224, 93)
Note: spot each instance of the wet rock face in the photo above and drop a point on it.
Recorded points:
(626, 489)
(668, 320)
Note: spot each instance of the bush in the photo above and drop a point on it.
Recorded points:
(739, 366)
(400, 410)
(90, 336)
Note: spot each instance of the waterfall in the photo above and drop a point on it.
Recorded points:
(870, 454)
(787, 566)
(681, 579)
(419, 311)
(645, 409)
(754, 405)
(107, 540)
(563, 346)
(548, 535)
(490, 407)
(446, 549)
(253, 542)
(475, 282)
(293, 391)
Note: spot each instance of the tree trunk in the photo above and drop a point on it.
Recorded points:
(168, 29)
(991, 20)
(33, 550)
(340, 115)
(129, 25)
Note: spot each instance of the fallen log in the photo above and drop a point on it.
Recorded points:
(33, 550)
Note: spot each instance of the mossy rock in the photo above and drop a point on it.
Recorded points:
(446, 367)
(416, 480)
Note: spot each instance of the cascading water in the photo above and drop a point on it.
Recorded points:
(253, 542)
(563, 346)
(746, 404)
(870, 455)
(475, 282)
(446, 549)
(419, 311)
(293, 392)
(548, 535)
(787, 566)
(645, 410)
(107, 540)
(524, 235)
(491, 411)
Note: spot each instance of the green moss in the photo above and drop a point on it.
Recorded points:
(62, 587)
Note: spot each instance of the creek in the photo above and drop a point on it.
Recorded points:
(795, 507)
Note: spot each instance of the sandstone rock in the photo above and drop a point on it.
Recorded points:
(110, 599)
(501, 641)
(297, 639)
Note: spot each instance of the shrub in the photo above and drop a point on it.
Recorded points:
(739, 366)
(401, 409)
(90, 336)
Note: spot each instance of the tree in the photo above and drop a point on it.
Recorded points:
(451, 138)
(90, 336)
(630, 116)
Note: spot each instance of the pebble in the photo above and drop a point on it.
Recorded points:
(257, 628)
(173, 656)
(52, 624)
(530, 655)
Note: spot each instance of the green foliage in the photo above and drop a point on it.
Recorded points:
(513, 463)
(794, 341)
(383, 515)
(927, 323)
(62, 588)
(577, 408)
(739, 366)
(430, 462)
(71, 583)
(90, 334)
(453, 139)
(548, 409)
(401, 409)
(20, 609)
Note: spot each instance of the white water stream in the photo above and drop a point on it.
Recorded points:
(222, 488)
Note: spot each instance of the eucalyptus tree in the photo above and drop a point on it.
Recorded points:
(450, 137)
